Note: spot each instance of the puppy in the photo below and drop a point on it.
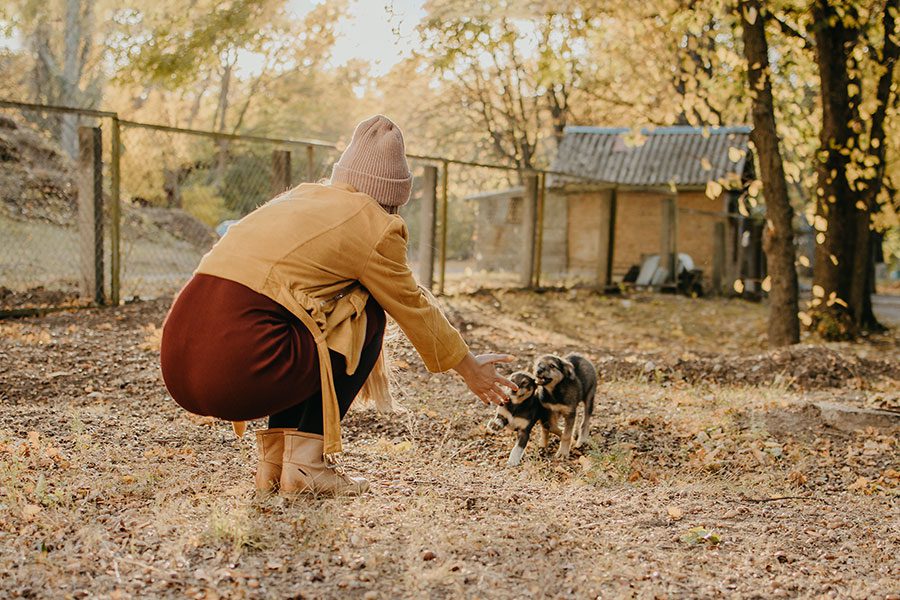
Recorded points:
(524, 410)
(568, 381)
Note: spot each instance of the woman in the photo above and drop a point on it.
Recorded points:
(285, 316)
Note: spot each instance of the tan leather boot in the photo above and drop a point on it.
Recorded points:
(270, 443)
(304, 469)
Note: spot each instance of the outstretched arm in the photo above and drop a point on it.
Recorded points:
(388, 278)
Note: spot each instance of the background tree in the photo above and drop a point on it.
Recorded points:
(784, 324)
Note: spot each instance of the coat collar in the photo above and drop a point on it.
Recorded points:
(343, 186)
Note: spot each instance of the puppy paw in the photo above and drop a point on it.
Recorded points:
(513, 463)
(561, 455)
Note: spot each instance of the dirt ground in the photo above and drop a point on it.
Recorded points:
(710, 472)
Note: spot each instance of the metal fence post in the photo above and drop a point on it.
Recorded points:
(115, 215)
(281, 171)
(427, 223)
(529, 210)
(442, 256)
(90, 212)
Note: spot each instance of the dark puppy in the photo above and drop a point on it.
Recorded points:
(569, 381)
(523, 411)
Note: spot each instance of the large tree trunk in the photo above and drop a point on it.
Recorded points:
(863, 282)
(784, 325)
(835, 211)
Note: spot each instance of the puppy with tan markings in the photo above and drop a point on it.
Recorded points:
(568, 382)
(524, 410)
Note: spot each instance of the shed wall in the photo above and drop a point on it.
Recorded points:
(638, 229)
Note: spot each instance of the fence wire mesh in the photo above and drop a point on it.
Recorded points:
(181, 191)
(178, 191)
(41, 235)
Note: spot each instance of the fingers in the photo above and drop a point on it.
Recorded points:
(506, 383)
(487, 359)
(492, 395)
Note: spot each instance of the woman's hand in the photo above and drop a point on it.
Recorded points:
(482, 378)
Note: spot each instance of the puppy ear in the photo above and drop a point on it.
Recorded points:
(568, 369)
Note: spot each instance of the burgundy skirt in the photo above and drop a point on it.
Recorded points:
(232, 353)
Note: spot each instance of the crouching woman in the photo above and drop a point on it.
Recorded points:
(285, 316)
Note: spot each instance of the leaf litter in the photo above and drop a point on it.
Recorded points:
(697, 482)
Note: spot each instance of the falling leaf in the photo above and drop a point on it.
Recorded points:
(767, 284)
(707, 166)
(735, 154)
(804, 318)
(713, 189)
(818, 291)
(738, 286)
(804, 261)
(754, 188)
(750, 14)
(820, 238)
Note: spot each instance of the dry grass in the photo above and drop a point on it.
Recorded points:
(108, 489)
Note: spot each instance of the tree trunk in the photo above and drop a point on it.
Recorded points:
(71, 74)
(863, 282)
(784, 326)
(221, 111)
(836, 222)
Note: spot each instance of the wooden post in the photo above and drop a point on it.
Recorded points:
(90, 213)
(529, 213)
(539, 234)
(442, 255)
(667, 256)
(115, 215)
(428, 222)
(311, 164)
(718, 266)
(281, 171)
(604, 264)
(611, 253)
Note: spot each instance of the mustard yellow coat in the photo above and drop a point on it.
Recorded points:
(319, 251)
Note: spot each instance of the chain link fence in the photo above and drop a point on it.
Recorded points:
(181, 190)
(158, 198)
(53, 251)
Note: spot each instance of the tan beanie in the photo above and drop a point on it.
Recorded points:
(375, 163)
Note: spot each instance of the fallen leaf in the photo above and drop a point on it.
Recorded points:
(30, 511)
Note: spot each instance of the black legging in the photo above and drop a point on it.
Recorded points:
(307, 415)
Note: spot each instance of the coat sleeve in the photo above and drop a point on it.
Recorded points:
(389, 279)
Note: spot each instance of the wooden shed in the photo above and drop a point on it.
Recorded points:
(631, 195)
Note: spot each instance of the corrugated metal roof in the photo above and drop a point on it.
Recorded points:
(683, 156)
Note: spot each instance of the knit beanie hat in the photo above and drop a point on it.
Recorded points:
(375, 163)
